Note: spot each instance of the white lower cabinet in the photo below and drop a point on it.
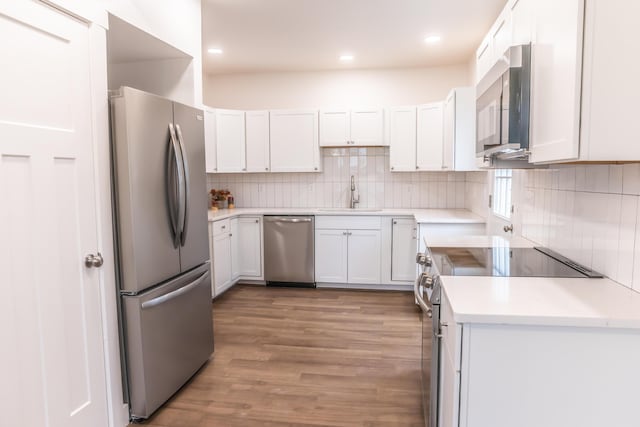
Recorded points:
(236, 251)
(221, 257)
(348, 250)
(249, 231)
(403, 249)
(363, 255)
(505, 375)
(331, 256)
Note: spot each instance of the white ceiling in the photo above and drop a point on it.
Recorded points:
(295, 35)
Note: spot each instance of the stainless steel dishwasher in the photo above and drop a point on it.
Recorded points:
(289, 251)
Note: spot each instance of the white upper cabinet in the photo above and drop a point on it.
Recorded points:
(361, 127)
(210, 140)
(610, 125)
(367, 127)
(230, 141)
(501, 34)
(483, 58)
(429, 145)
(335, 129)
(556, 80)
(402, 138)
(294, 141)
(257, 141)
(459, 152)
(521, 21)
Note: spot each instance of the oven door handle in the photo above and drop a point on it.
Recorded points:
(423, 305)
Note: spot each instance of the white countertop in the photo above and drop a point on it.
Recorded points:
(422, 216)
(542, 301)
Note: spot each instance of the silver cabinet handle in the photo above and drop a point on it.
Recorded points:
(508, 228)
(223, 227)
(257, 221)
(391, 167)
(266, 169)
(92, 260)
(174, 294)
(344, 233)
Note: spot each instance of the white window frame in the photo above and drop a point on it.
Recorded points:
(502, 200)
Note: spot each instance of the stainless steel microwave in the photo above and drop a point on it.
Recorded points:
(503, 107)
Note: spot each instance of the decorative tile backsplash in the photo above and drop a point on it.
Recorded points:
(589, 213)
(377, 187)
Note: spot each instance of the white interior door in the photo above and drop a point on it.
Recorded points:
(52, 365)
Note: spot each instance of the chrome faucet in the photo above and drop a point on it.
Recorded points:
(354, 200)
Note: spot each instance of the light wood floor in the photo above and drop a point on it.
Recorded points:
(306, 357)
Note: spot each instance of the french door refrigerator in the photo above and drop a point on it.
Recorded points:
(160, 225)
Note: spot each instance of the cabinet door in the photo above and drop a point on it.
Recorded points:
(230, 141)
(522, 20)
(449, 392)
(501, 35)
(294, 141)
(449, 133)
(403, 249)
(334, 128)
(222, 262)
(250, 247)
(235, 260)
(211, 156)
(367, 127)
(429, 146)
(331, 256)
(483, 58)
(257, 140)
(402, 139)
(609, 102)
(364, 256)
(556, 80)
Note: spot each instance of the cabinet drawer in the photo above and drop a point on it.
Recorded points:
(348, 222)
(221, 227)
(451, 333)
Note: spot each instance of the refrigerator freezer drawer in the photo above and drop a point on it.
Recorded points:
(169, 336)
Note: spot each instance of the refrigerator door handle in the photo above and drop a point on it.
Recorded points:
(175, 161)
(174, 294)
(185, 170)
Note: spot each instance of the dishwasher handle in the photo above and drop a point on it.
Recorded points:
(285, 219)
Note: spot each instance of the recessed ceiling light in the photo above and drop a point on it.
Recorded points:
(432, 39)
(215, 51)
(346, 57)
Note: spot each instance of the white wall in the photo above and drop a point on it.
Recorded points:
(326, 89)
(377, 187)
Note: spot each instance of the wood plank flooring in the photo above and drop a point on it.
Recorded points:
(306, 357)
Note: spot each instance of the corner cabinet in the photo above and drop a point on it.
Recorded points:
(294, 141)
(236, 251)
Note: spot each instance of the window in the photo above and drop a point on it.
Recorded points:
(501, 205)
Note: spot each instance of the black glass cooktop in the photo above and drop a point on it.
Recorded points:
(502, 261)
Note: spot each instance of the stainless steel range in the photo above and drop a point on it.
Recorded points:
(504, 261)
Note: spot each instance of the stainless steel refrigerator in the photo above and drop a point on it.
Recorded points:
(160, 224)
